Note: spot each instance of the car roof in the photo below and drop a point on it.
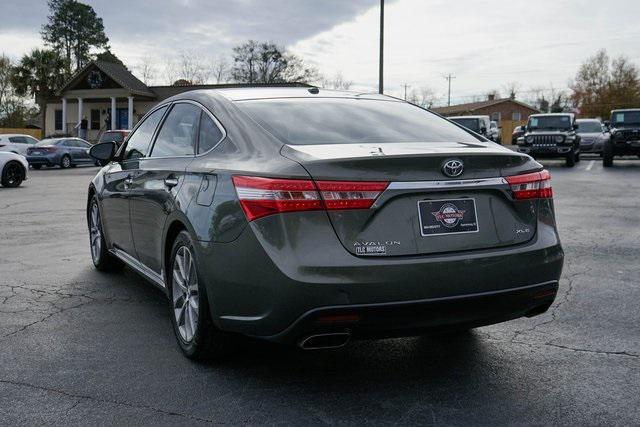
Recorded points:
(246, 93)
(624, 110)
(16, 134)
(588, 120)
(552, 114)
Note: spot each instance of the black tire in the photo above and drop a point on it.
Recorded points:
(571, 159)
(65, 161)
(12, 174)
(36, 167)
(607, 156)
(577, 157)
(207, 342)
(102, 259)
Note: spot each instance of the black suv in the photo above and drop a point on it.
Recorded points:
(551, 136)
(625, 136)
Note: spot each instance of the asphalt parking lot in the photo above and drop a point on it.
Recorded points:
(82, 347)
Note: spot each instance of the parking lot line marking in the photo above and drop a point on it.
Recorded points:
(590, 165)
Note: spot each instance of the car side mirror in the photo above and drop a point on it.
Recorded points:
(483, 130)
(103, 152)
(575, 126)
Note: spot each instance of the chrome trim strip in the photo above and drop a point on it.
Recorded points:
(148, 273)
(446, 185)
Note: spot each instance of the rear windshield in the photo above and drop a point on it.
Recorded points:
(303, 121)
(473, 124)
(625, 118)
(589, 127)
(48, 142)
(550, 122)
(112, 137)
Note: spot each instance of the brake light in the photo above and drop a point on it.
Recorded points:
(260, 197)
(350, 195)
(536, 185)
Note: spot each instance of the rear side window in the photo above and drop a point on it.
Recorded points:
(138, 145)
(177, 137)
(210, 134)
(349, 121)
(18, 139)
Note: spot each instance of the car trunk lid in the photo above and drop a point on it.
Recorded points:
(423, 211)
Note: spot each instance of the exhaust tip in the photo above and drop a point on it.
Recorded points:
(325, 341)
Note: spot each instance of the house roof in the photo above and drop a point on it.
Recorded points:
(474, 106)
(117, 72)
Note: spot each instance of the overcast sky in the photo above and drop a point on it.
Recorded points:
(484, 43)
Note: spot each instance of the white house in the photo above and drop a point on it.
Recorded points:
(110, 97)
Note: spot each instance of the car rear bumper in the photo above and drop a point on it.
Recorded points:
(42, 160)
(411, 318)
(264, 289)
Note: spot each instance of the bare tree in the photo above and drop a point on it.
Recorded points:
(423, 97)
(6, 71)
(220, 69)
(146, 69)
(337, 82)
(511, 89)
(170, 70)
(191, 67)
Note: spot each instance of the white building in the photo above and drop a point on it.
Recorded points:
(109, 96)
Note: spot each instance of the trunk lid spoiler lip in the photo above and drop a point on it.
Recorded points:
(324, 152)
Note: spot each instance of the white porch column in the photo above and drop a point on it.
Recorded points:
(113, 112)
(130, 115)
(80, 110)
(64, 115)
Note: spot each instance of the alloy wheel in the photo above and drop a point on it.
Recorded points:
(95, 235)
(185, 293)
(66, 162)
(13, 173)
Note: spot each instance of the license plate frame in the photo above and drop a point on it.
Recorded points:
(442, 217)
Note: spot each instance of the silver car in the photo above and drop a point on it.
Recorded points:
(593, 135)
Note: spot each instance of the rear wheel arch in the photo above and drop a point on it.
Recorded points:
(173, 230)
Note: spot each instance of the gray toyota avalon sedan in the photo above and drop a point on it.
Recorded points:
(312, 217)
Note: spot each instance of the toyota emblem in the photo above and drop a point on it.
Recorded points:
(453, 168)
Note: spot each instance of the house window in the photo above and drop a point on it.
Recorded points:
(516, 116)
(95, 120)
(496, 116)
(58, 119)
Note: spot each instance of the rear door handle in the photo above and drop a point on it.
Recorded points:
(170, 182)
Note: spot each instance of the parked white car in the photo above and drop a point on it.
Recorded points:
(16, 143)
(13, 169)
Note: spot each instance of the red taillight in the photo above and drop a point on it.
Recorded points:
(350, 195)
(535, 185)
(266, 196)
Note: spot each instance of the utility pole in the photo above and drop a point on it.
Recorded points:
(449, 78)
(381, 70)
(405, 90)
